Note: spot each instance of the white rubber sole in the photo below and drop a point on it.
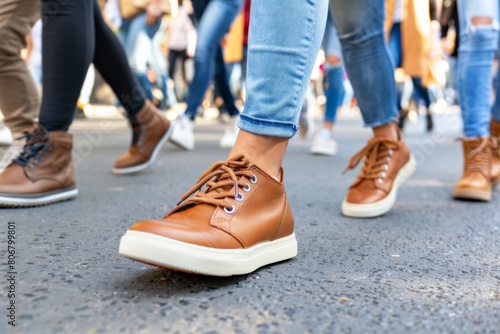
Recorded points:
(37, 200)
(173, 254)
(323, 151)
(472, 194)
(383, 206)
(152, 159)
(180, 141)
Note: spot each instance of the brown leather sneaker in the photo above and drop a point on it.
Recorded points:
(475, 183)
(239, 222)
(495, 151)
(43, 173)
(387, 164)
(150, 131)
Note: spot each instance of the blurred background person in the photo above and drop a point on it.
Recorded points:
(479, 34)
(324, 142)
(450, 40)
(138, 32)
(213, 20)
(180, 31)
(410, 37)
(43, 172)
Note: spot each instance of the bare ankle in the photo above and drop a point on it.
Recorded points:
(388, 130)
(264, 151)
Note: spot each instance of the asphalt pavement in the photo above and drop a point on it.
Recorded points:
(431, 265)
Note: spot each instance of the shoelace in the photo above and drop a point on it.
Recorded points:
(222, 180)
(32, 147)
(377, 153)
(478, 157)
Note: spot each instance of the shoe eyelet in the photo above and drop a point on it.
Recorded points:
(239, 197)
(253, 179)
(246, 187)
(388, 159)
(230, 210)
(385, 166)
(380, 180)
(390, 151)
(383, 175)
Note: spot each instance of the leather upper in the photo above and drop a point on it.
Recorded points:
(214, 218)
(383, 158)
(148, 127)
(477, 164)
(50, 169)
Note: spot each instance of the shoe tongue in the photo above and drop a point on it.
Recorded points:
(37, 134)
(36, 140)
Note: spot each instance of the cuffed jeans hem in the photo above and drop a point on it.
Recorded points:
(379, 123)
(267, 127)
(475, 133)
(328, 66)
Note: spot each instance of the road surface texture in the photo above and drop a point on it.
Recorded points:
(431, 265)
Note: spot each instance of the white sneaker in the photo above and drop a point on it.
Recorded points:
(5, 136)
(230, 134)
(324, 143)
(11, 153)
(183, 135)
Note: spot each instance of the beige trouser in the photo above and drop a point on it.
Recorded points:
(19, 100)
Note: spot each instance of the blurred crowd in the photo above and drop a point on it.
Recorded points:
(161, 54)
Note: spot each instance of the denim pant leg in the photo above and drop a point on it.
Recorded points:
(214, 23)
(496, 107)
(475, 57)
(366, 58)
(396, 52)
(422, 91)
(284, 40)
(221, 82)
(137, 38)
(335, 92)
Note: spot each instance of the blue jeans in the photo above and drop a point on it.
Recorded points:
(478, 45)
(216, 19)
(334, 92)
(137, 38)
(284, 40)
(366, 58)
(221, 83)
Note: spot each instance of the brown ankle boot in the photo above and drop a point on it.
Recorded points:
(387, 164)
(238, 221)
(42, 173)
(495, 151)
(475, 183)
(150, 130)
